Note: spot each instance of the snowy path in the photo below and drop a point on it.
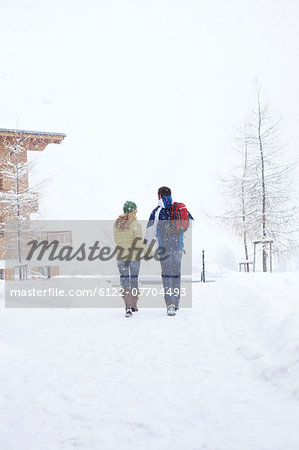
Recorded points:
(91, 379)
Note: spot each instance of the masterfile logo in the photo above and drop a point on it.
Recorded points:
(77, 264)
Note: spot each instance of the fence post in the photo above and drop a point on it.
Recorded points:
(203, 273)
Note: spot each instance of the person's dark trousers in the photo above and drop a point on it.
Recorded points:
(129, 272)
(171, 277)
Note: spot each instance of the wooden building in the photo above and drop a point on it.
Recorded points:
(14, 145)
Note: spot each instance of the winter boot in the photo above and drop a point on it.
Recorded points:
(127, 296)
(171, 309)
(134, 302)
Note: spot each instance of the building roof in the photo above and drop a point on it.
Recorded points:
(44, 133)
(31, 140)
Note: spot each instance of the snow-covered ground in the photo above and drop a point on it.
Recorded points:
(223, 375)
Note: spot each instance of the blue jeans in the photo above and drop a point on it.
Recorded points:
(171, 277)
(129, 271)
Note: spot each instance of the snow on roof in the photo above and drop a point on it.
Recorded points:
(45, 133)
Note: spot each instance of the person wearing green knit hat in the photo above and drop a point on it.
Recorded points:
(129, 207)
(126, 230)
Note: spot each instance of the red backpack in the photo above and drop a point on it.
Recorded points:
(180, 218)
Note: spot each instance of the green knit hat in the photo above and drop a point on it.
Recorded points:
(129, 207)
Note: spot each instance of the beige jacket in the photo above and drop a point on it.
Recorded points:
(125, 239)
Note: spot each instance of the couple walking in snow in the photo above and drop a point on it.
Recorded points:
(167, 224)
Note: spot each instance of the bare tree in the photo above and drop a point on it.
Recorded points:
(238, 216)
(261, 189)
(17, 199)
(272, 192)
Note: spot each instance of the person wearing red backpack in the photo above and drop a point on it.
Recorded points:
(167, 224)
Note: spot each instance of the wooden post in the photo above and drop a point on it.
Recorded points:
(254, 255)
(267, 249)
(270, 256)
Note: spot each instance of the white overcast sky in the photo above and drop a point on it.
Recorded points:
(148, 92)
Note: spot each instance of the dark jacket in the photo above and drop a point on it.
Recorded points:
(158, 227)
